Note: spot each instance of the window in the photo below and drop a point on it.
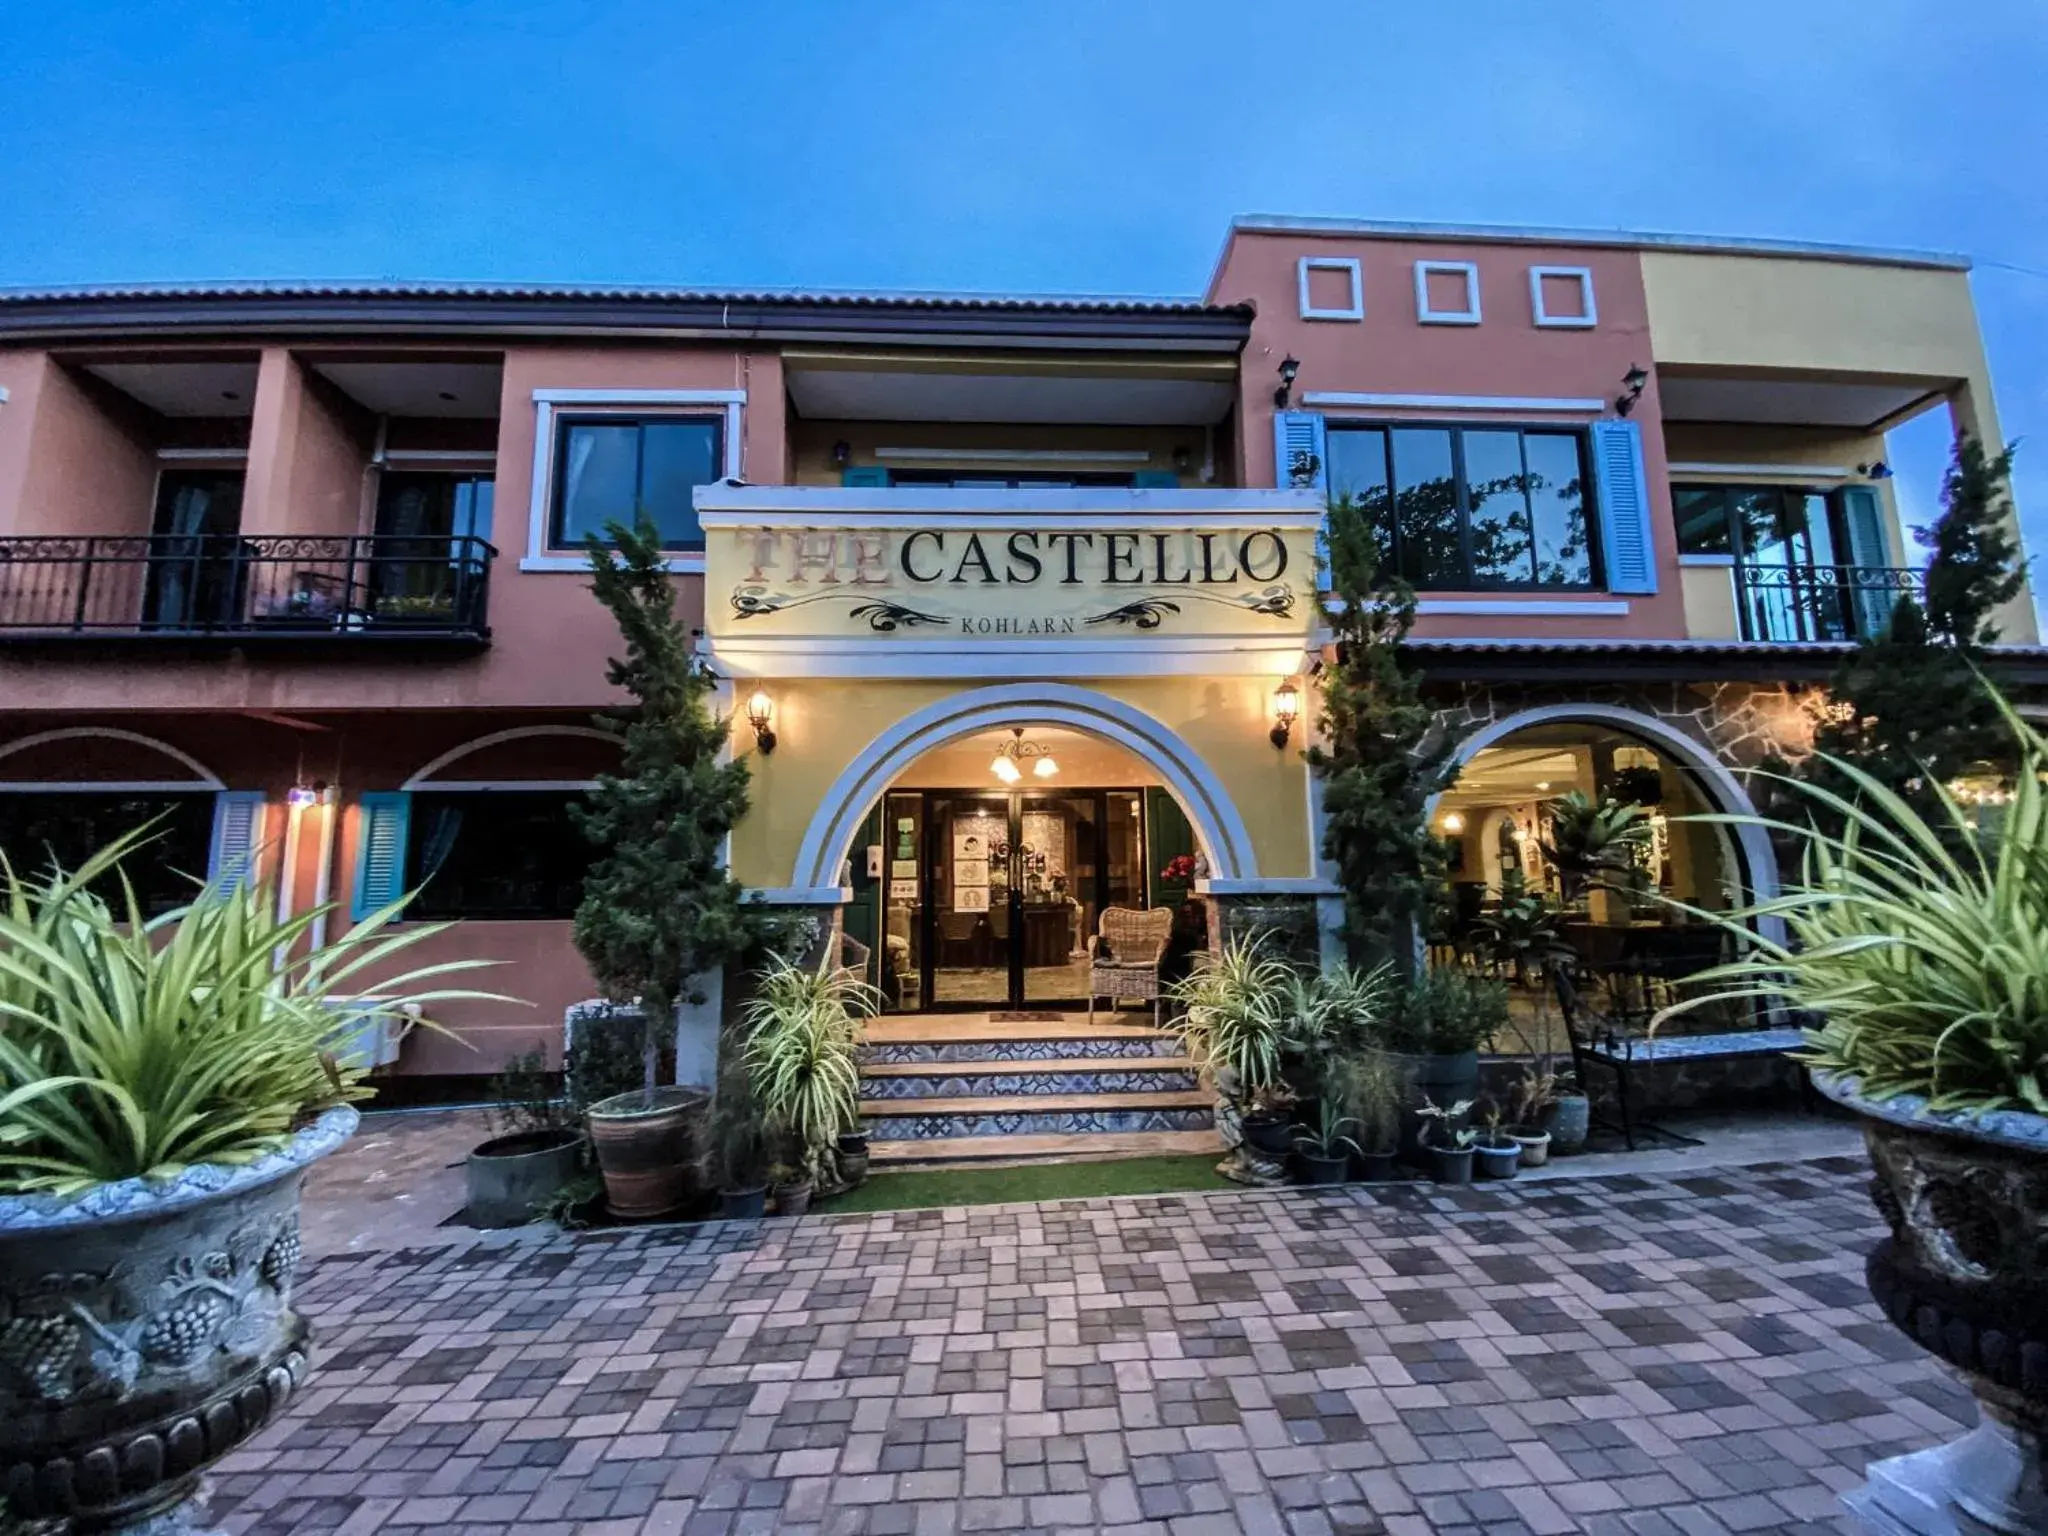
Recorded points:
(1005, 480)
(1460, 508)
(1764, 525)
(616, 468)
(67, 827)
(432, 534)
(495, 853)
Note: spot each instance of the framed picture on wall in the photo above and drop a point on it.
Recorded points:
(970, 871)
(903, 869)
(970, 898)
(903, 890)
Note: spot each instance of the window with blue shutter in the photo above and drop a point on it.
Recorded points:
(864, 476)
(1299, 451)
(383, 820)
(1627, 545)
(237, 826)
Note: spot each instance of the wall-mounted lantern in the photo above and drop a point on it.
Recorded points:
(761, 716)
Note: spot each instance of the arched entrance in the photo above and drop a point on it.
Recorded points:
(991, 831)
(1512, 771)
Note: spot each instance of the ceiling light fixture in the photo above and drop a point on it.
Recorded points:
(1010, 753)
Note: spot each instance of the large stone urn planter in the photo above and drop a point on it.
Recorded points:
(146, 1330)
(1965, 1274)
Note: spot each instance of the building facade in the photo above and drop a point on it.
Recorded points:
(1012, 600)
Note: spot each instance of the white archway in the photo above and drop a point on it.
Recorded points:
(1722, 788)
(424, 778)
(202, 776)
(1192, 783)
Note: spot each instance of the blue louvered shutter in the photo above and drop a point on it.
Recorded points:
(1870, 555)
(1300, 459)
(380, 852)
(1155, 480)
(864, 476)
(1627, 544)
(237, 831)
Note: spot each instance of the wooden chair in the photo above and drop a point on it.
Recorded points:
(1125, 955)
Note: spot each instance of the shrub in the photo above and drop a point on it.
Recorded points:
(1444, 1012)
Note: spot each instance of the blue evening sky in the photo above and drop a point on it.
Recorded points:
(1099, 145)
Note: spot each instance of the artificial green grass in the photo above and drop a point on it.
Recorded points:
(916, 1189)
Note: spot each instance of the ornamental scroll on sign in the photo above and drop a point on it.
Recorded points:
(1010, 582)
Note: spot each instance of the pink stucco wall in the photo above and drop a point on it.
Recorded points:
(66, 465)
(1391, 352)
(309, 450)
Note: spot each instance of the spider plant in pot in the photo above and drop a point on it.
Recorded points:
(1232, 1022)
(165, 1083)
(1917, 947)
(1323, 1150)
(802, 1036)
(1447, 1141)
(1496, 1154)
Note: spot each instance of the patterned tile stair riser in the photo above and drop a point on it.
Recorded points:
(895, 1053)
(880, 1087)
(1061, 1122)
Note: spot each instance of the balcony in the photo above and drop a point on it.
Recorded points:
(344, 590)
(1794, 603)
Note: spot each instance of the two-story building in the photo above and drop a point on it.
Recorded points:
(1013, 599)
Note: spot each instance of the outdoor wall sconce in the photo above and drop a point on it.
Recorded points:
(842, 454)
(1453, 823)
(761, 716)
(303, 797)
(1878, 471)
(1289, 367)
(1632, 384)
(1286, 710)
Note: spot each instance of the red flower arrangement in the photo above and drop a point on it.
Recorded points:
(1180, 869)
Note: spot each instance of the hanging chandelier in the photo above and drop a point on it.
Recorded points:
(1016, 751)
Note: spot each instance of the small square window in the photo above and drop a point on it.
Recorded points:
(1332, 288)
(1561, 298)
(1447, 293)
(620, 468)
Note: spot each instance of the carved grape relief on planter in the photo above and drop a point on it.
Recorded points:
(155, 1320)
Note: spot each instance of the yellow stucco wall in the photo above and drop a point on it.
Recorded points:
(821, 725)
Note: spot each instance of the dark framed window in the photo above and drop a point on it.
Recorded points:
(613, 468)
(495, 853)
(1764, 524)
(1470, 508)
(68, 827)
(1022, 480)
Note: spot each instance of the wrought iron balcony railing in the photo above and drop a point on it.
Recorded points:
(199, 586)
(1819, 602)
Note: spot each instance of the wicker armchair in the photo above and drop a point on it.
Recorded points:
(1124, 958)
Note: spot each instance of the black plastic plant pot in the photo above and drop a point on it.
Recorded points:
(853, 1143)
(1496, 1162)
(1270, 1134)
(744, 1204)
(1450, 1166)
(1318, 1169)
(1378, 1167)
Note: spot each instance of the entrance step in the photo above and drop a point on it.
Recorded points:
(1027, 1086)
(896, 1082)
(1031, 1149)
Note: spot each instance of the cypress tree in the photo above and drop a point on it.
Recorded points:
(1378, 760)
(658, 905)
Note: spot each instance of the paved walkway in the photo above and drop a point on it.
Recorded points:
(1641, 1353)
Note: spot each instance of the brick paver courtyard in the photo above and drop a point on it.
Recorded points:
(1649, 1354)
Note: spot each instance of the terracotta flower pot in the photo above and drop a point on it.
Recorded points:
(646, 1147)
(1966, 1198)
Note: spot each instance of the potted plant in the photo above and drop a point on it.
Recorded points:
(1370, 1088)
(1569, 1119)
(1233, 1017)
(802, 1037)
(1496, 1154)
(739, 1147)
(165, 1083)
(1434, 1028)
(1532, 1099)
(659, 908)
(850, 1156)
(1324, 1150)
(1447, 1142)
(1914, 946)
(1591, 839)
(537, 1150)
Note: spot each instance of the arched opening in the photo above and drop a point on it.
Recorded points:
(1627, 926)
(984, 840)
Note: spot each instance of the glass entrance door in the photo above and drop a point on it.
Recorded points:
(1012, 885)
(968, 916)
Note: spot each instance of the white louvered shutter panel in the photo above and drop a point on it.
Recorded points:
(1299, 460)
